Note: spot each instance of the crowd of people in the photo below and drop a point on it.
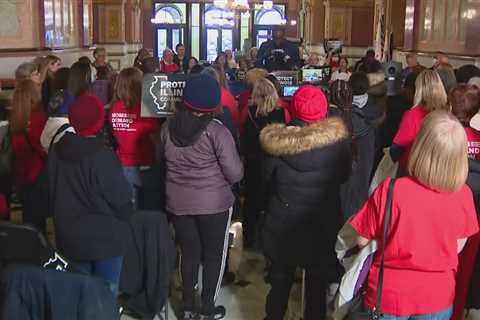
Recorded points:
(294, 170)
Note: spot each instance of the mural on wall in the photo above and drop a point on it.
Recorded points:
(9, 18)
(18, 21)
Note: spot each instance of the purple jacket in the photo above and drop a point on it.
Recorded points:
(199, 175)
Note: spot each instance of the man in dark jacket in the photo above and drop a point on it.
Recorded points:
(278, 53)
(307, 162)
(180, 58)
(90, 197)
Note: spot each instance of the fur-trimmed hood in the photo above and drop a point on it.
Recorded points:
(378, 86)
(281, 140)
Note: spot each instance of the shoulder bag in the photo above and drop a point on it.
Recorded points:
(357, 310)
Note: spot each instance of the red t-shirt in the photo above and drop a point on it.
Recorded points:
(244, 100)
(228, 101)
(408, 130)
(421, 253)
(473, 137)
(29, 155)
(168, 68)
(133, 135)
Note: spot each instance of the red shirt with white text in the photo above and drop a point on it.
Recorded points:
(133, 134)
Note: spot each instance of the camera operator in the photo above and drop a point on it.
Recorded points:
(278, 53)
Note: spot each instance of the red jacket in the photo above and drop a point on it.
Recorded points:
(243, 104)
(133, 135)
(29, 156)
(168, 68)
(3, 206)
(243, 100)
(228, 101)
(285, 105)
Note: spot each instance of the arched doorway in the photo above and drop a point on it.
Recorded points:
(219, 34)
(170, 21)
(265, 21)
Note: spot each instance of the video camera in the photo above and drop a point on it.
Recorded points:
(393, 77)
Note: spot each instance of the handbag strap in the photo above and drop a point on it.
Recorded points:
(59, 131)
(377, 313)
(250, 116)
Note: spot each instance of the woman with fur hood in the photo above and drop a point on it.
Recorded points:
(306, 163)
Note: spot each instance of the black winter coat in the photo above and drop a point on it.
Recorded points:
(90, 197)
(355, 191)
(148, 263)
(304, 171)
(33, 293)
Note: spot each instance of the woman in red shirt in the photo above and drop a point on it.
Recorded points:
(430, 95)
(465, 103)
(432, 216)
(167, 65)
(133, 133)
(27, 121)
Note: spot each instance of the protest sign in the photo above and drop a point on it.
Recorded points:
(287, 78)
(161, 93)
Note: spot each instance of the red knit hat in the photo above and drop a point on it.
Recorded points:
(87, 115)
(309, 104)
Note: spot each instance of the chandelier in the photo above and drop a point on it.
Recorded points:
(240, 6)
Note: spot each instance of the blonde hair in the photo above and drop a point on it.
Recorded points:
(439, 157)
(167, 50)
(265, 97)
(430, 93)
(253, 75)
(25, 71)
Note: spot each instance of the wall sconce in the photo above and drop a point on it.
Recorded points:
(220, 3)
(267, 4)
(469, 14)
(293, 22)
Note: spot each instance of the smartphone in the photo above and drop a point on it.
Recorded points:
(289, 91)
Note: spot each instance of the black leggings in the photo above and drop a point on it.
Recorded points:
(281, 279)
(203, 239)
